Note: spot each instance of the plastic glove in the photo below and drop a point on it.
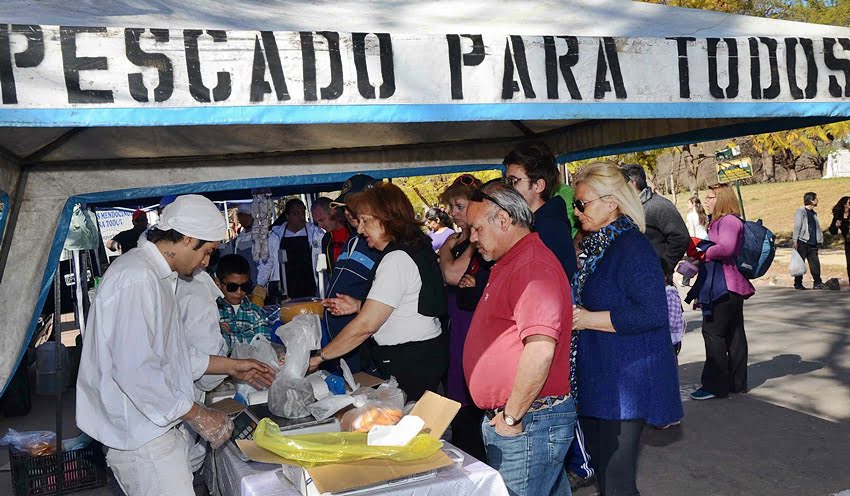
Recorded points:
(211, 424)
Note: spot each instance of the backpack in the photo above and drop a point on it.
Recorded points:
(758, 250)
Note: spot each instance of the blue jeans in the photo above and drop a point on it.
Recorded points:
(532, 463)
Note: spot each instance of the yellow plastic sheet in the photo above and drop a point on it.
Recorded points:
(311, 450)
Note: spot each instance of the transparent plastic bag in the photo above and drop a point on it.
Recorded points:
(311, 450)
(259, 348)
(35, 443)
(289, 397)
(300, 336)
(82, 234)
(797, 267)
(362, 419)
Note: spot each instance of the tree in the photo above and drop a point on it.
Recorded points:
(785, 148)
(424, 191)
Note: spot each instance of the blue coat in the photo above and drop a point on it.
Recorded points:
(630, 374)
(553, 225)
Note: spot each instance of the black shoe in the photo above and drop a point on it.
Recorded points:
(577, 481)
(801, 288)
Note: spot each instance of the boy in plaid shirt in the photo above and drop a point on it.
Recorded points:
(241, 319)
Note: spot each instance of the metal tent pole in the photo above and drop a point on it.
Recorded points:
(57, 336)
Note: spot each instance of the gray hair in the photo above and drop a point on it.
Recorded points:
(509, 200)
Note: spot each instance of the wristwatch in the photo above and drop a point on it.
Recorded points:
(511, 421)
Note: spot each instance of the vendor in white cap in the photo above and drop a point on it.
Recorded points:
(135, 383)
(243, 243)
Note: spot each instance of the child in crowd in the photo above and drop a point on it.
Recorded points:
(674, 310)
(241, 319)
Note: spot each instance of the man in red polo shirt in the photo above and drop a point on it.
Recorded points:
(516, 356)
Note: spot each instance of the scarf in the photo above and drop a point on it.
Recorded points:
(594, 246)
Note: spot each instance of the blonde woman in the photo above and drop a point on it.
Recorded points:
(625, 368)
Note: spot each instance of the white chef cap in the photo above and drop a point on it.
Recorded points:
(194, 216)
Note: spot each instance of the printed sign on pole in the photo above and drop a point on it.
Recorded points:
(734, 170)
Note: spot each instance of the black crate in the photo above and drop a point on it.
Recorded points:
(36, 475)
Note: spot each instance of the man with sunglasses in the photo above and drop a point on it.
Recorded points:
(532, 170)
(241, 319)
(516, 357)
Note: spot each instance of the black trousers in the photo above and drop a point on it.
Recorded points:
(809, 254)
(418, 366)
(614, 446)
(466, 431)
(725, 368)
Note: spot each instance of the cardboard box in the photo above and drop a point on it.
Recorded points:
(435, 410)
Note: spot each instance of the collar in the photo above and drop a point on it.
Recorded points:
(646, 195)
(152, 253)
(519, 248)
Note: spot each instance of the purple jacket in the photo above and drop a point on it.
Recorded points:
(727, 233)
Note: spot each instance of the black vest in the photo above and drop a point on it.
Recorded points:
(432, 296)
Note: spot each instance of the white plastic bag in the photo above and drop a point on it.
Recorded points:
(290, 392)
(260, 348)
(797, 267)
(289, 397)
(300, 336)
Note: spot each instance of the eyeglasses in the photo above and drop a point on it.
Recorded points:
(480, 196)
(466, 180)
(246, 287)
(580, 205)
(512, 181)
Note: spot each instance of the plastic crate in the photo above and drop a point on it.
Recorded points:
(36, 475)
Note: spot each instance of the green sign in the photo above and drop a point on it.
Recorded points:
(734, 170)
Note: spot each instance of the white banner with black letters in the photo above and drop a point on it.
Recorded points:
(49, 67)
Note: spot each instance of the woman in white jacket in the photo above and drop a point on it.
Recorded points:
(294, 248)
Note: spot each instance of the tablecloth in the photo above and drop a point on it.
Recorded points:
(233, 477)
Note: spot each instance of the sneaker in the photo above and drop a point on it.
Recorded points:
(577, 481)
(702, 394)
(820, 285)
(671, 424)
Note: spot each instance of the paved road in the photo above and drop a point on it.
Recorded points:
(791, 434)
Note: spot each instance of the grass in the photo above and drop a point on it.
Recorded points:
(775, 204)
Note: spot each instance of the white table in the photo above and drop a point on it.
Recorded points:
(237, 478)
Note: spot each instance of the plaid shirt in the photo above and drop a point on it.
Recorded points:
(677, 320)
(244, 324)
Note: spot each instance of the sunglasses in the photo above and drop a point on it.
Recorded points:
(512, 181)
(580, 205)
(480, 196)
(466, 180)
(246, 287)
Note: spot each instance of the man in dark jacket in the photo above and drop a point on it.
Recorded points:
(665, 227)
(531, 169)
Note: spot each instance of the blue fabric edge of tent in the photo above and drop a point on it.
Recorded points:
(397, 113)
(4, 200)
(710, 134)
(199, 188)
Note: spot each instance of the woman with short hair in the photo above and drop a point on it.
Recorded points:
(625, 370)
(402, 310)
(722, 299)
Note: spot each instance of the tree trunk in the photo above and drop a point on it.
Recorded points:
(792, 170)
(690, 168)
(768, 167)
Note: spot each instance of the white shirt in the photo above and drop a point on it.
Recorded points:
(196, 299)
(135, 379)
(269, 269)
(695, 229)
(397, 284)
